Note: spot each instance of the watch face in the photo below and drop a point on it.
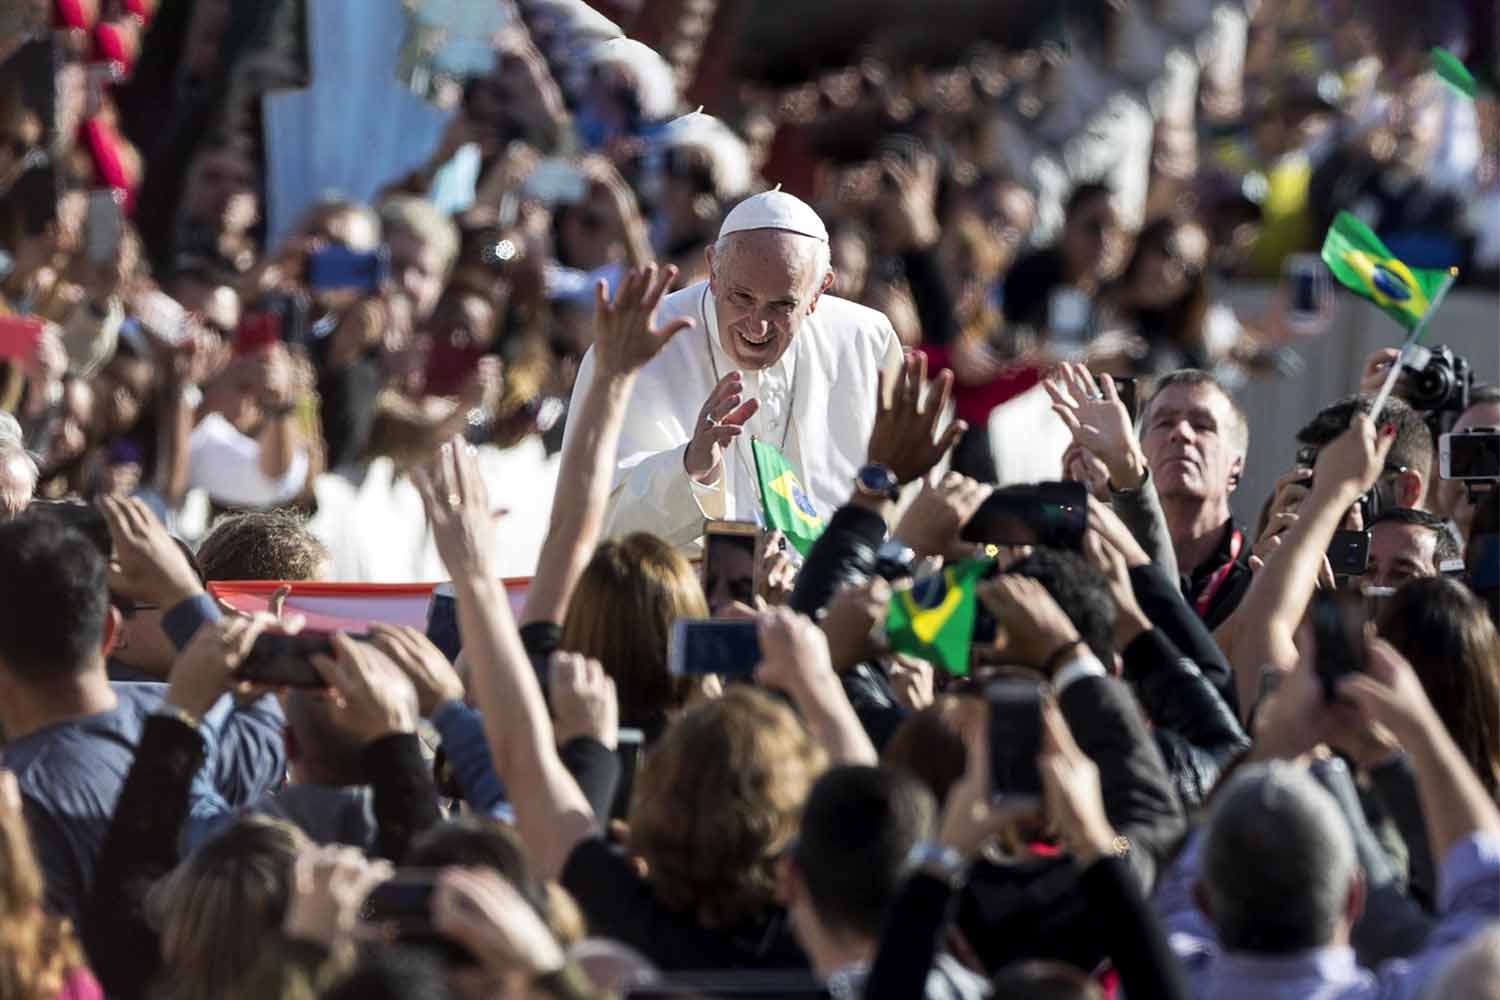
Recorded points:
(877, 479)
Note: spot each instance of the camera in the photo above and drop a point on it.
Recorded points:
(1439, 381)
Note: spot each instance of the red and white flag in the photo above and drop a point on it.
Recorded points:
(348, 607)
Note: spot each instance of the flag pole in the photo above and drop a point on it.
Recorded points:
(1409, 342)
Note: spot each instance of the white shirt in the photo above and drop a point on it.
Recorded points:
(226, 464)
(821, 394)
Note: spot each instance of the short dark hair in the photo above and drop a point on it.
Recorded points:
(1412, 448)
(1239, 434)
(1084, 193)
(261, 545)
(1079, 590)
(1445, 546)
(55, 596)
(858, 826)
(478, 842)
(393, 972)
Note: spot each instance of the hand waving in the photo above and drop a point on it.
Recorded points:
(458, 508)
(905, 437)
(148, 565)
(721, 420)
(624, 337)
(1098, 421)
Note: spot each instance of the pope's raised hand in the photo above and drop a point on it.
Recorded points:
(624, 337)
(720, 421)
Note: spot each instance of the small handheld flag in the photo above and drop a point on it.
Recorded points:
(785, 502)
(934, 619)
(1453, 72)
(1363, 265)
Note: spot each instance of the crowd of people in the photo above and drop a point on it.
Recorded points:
(1177, 755)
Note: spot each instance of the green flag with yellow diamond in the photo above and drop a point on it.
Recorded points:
(934, 618)
(1363, 265)
(785, 501)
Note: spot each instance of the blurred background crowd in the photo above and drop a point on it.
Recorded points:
(262, 253)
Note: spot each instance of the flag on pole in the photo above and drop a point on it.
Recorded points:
(785, 501)
(1363, 265)
(1453, 72)
(934, 618)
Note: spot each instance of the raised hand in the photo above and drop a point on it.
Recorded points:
(377, 698)
(721, 420)
(905, 438)
(329, 884)
(1071, 790)
(1098, 421)
(1032, 624)
(458, 508)
(778, 574)
(624, 337)
(204, 670)
(1354, 460)
(480, 910)
(911, 681)
(909, 220)
(583, 700)
(973, 815)
(434, 678)
(794, 653)
(148, 565)
(853, 620)
(936, 518)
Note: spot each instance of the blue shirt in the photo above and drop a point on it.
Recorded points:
(1468, 898)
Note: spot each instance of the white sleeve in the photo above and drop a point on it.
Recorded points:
(226, 464)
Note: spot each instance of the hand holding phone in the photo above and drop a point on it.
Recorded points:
(731, 564)
(1054, 513)
(103, 227)
(1338, 624)
(337, 268)
(729, 647)
(279, 660)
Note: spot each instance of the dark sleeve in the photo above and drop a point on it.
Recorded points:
(909, 944)
(1131, 932)
(1026, 289)
(613, 897)
(929, 293)
(596, 768)
(1161, 599)
(405, 798)
(1138, 795)
(541, 640)
(1396, 786)
(844, 553)
(140, 847)
(348, 409)
(1179, 700)
(873, 702)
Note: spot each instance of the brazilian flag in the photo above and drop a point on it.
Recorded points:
(934, 619)
(1363, 265)
(785, 501)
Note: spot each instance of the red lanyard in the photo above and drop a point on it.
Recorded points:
(1211, 588)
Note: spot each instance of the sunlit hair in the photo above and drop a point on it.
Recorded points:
(215, 911)
(621, 614)
(37, 950)
(718, 801)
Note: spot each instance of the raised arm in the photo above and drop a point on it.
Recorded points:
(1277, 598)
(624, 341)
(552, 814)
(795, 661)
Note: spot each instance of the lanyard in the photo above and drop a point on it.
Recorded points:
(1215, 582)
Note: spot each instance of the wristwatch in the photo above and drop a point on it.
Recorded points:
(938, 860)
(878, 481)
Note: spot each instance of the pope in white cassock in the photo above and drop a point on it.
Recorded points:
(768, 355)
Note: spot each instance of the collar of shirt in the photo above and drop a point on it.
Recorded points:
(1223, 554)
(771, 386)
(1268, 977)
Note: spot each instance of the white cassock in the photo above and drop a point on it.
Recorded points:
(817, 405)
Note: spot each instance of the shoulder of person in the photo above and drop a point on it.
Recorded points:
(850, 316)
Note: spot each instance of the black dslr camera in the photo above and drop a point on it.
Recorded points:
(1439, 380)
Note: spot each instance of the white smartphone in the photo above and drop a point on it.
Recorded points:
(103, 226)
(1472, 454)
(1308, 292)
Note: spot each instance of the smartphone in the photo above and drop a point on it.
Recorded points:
(1068, 312)
(555, 180)
(1307, 289)
(258, 331)
(403, 906)
(87, 519)
(1338, 623)
(162, 316)
(726, 646)
(1128, 389)
(1349, 552)
(103, 226)
(286, 660)
(291, 315)
(1051, 513)
(442, 621)
(1470, 454)
(731, 561)
(337, 268)
(1015, 736)
(20, 336)
(449, 364)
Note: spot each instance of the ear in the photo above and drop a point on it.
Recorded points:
(827, 281)
(713, 277)
(1235, 472)
(1410, 489)
(114, 622)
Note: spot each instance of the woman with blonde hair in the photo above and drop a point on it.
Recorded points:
(39, 957)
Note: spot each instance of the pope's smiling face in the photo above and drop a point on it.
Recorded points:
(765, 282)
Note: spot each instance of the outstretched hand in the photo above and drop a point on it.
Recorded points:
(625, 338)
(148, 564)
(908, 410)
(1098, 421)
(458, 508)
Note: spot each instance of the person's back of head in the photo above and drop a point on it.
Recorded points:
(1411, 451)
(214, 910)
(262, 545)
(621, 614)
(1279, 873)
(717, 802)
(929, 746)
(321, 751)
(1079, 590)
(858, 826)
(1444, 631)
(54, 600)
(1044, 980)
(18, 476)
(393, 973)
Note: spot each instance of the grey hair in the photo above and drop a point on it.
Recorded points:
(425, 220)
(822, 255)
(18, 477)
(1278, 861)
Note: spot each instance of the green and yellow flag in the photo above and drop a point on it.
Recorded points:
(1454, 73)
(1363, 265)
(934, 619)
(785, 501)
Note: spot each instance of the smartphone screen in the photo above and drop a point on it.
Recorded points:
(730, 563)
(1015, 736)
(1349, 553)
(103, 225)
(442, 621)
(20, 336)
(286, 660)
(1338, 621)
(1054, 514)
(555, 181)
(725, 646)
(1470, 455)
(1068, 313)
(339, 268)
